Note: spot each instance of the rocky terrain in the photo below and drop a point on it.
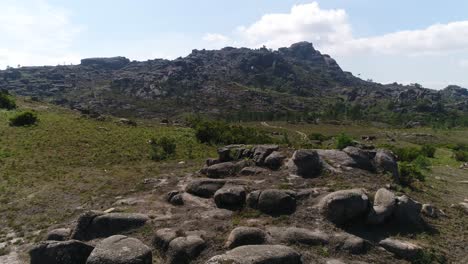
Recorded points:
(256, 205)
(230, 81)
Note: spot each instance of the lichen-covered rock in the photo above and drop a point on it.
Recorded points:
(121, 250)
(295, 235)
(230, 197)
(221, 170)
(408, 212)
(363, 158)
(163, 237)
(343, 206)
(183, 250)
(275, 160)
(384, 205)
(60, 252)
(305, 163)
(241, 236)
(385, 161)
(259, 254)
(273, 202)
(60, 234)
(402, 249)
(261, 152)
(205, 188)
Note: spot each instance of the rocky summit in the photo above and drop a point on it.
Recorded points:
(238, 83)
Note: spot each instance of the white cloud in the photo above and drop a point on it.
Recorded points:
(463, 63)
(216, 38)
(330, 31)
(35, 33)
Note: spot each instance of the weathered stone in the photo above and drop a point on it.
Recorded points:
(248, 171)
(385, 161)
(121, 250)
(224, 154)
(242, 236)
(104, 225)
(350, 243)
(60, 252)
(183, 250)
(305, 163)
(408, 212)
(258, 254)
(252, 199)
(337, 158)
(343, 206)
(384, 205)
(275, 202)
(221, 170)
(275, 160)
(60, 234)
(260, 153)
(163, 237)
(175, 198)
(401, 249)
(205, 188)
(232, 198)
(363, 158)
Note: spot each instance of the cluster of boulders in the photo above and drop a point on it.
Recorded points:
(96, 237)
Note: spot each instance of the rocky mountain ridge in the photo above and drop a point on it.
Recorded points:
(230, 80)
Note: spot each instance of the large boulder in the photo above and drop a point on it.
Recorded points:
(402, 249)
(59, 234)
(241, 236)
(386, 161)
(305, 163)
(183, 250)
(343, 206)
(295, 235)
(121, 250)
(408, 212)
(275, 160)
(221, 170)
(273, 202)
(60, 252)
(163, 237)
(205, 188)
(106, 224)
(259, 254)
(384, 205)
(337, 158)
(261, 152)
(231, 198)
(363, 158)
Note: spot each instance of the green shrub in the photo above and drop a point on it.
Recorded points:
(318, 136)
(162, 148)
(26, 118)
(422, 163)
(7, 101)
(460, 155)
(428, 151)
(219, 132)
(343, 141)
(409, 173)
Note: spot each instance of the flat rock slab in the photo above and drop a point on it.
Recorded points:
(60, 252)
(205, 188)
(295, 235)
(241, 236)
(121, 250)
(258, 254)
(402, 249)
(345, 205)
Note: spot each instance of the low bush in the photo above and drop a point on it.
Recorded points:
(27, 118)
(162, 148)
(7, 101)
(318, 136)
(343, 141)
(220, 132)
(428, 151)
(460, 155)
(410, 173)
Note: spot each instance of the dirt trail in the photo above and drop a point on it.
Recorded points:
(302, 134)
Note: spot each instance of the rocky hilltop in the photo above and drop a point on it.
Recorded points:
(227, 81)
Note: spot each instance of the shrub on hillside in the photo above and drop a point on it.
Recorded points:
(460, 155)
(220, 132)
(318, 136)
(343, 141)
(7, 101)
(409, 173)
(162, 148)
(26, 118)
(428, 151)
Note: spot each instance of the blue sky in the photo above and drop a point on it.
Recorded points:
(403, 41)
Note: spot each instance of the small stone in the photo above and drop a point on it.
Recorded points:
(121, 250)
(242, 236)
